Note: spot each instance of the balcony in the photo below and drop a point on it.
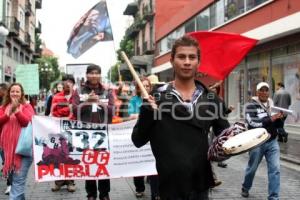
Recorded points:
(27, 40)
(135, 28)
(148, 13)
(28, 8)
(147, 50)
(37, 52)
(13, 25)
(38, 28)
(131, 9)
(38, 4)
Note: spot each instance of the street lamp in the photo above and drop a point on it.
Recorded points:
(45, 70)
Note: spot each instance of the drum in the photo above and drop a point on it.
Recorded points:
(245, 141)
(236, 140)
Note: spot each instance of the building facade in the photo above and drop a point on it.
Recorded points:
(141, 32)
(19, 16)
(275, 59)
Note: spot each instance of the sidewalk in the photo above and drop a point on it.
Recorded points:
(232, 177)
(290, 151)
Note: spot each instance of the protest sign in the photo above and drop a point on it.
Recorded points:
(65, 149)
(28, 76)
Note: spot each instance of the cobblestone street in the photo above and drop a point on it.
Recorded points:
(232, 176)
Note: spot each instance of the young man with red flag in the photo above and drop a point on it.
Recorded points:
(177, 122)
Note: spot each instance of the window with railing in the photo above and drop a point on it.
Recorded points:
(202, 20)
(8, 49)
(16, 54)
(21, 58)
(190, 26)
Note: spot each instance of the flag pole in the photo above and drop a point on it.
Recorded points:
(114, 45)
(135, 76)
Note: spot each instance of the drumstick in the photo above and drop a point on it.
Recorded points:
(135, 76)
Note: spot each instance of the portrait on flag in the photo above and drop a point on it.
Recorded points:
(92, 28)
(72, 150)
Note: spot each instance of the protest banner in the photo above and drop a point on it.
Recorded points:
(28, 76)
(76, 150)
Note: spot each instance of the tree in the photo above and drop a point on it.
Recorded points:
(48, 71)
(126, 45)
(114, 73)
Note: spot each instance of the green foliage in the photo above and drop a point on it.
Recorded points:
(48, 70)
(126, 45)
(38, 42)
(114, 73)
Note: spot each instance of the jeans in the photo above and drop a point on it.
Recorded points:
(2, 156)
(271, 152)
(17, 191)
(103, 187)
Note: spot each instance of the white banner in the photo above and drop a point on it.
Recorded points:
(75, 150)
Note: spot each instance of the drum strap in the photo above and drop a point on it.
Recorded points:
(266, 107)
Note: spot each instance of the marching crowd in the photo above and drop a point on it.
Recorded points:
(178, 135)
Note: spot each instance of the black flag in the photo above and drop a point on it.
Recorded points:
(92, 27)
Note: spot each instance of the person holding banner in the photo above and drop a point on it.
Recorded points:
(133, 111)
(177, 122)
(96, 108)
(258, 115)
(15, 114)
(63, 105)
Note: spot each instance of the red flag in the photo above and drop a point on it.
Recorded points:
(221, 52)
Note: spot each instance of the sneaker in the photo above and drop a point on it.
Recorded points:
(216, 183)
(155, 198)
(139, 194)
(71, 188)
(245, 193)
(7, 191)
(55, 188)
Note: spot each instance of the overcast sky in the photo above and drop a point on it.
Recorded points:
(58, 18)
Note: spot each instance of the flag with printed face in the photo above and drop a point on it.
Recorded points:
(221, 52)
(92, 28)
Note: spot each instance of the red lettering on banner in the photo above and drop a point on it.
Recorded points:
(88, 156)
(87, 170)
(42, 171)
(79, 171)
(95, 157)
(101, 171)
(103, 158)
(70, 171)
